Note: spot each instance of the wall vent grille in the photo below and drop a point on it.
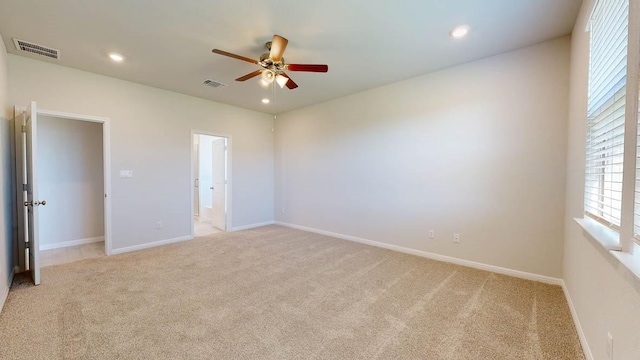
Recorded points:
(213, 83)
(32, 48)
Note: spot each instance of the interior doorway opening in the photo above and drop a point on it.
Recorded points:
(62, 177)
(71, 173)
(210, 154)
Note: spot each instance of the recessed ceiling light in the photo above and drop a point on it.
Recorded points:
(116, 57)
(265, 101)
(459, 32)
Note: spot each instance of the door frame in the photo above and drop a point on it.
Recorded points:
(106, 159)
(229, 170)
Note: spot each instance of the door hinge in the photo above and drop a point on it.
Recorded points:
(23, 128)
(25, 187)
(27, 245)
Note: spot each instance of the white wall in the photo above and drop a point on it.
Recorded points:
(477, 149)
(150, 134)
(6, 182)
(71, 180)
(605, 295)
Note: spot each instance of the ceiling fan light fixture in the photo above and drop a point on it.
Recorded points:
(281, 80)
(264, 84)
(268, 76)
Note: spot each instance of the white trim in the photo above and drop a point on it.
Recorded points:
(69, 243)
(151, 244)
(629, 179)
(587, 27)
(3, 297)
(70, 116)
(492, 268)
(583, 339)
(106, 153)
(252, 226)
(228, 198)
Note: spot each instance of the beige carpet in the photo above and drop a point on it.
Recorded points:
(278, 293)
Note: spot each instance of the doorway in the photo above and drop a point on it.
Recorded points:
(62, 172)
(71, 170)
(210, 183)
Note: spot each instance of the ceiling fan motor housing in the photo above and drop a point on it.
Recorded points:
(268, 63)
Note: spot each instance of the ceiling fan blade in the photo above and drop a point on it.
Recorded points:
(224, 53)
(290, 84)
(308, 67)
(249, 76)
(278, 44)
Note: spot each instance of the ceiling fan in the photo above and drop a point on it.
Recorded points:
(274, 65)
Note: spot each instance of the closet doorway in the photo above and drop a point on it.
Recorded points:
(62, 173)
(210, 183)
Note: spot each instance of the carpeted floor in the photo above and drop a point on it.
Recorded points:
(278, 293)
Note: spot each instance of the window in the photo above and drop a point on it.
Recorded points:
(606, 112)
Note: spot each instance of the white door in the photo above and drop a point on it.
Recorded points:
(196, 176)
(31, 200)
(218, 183)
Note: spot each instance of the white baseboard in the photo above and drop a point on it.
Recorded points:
(492, 268)
(574, 314)
(5, 292)
(3, 297)
(150, 245)
(251, 226)
(65, 244)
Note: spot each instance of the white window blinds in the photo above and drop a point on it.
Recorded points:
(606, 111)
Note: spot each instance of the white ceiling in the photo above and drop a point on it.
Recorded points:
(366, 43)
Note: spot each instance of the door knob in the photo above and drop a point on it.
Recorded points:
(27, 203)
(43, 202)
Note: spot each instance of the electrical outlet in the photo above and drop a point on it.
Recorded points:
(456, 238)
(432, 234)
(159, 225)
(610, 346)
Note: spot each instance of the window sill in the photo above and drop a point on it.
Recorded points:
(604, 236)
(610, 241)
(630, 261)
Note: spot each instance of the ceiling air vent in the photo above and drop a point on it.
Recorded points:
(36, 49)
(214, 84)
